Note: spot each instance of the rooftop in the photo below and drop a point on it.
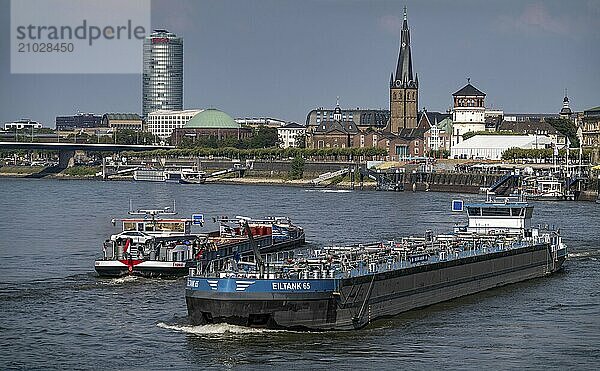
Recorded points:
(212, 118)
(123, 116)
(469, 90)
(502, 141)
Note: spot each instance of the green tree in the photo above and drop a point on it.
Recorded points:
(566, 128)
(301, 140)
(264, 137)
(296, 168)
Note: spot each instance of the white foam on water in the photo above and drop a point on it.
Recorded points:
(120, 280)
(583, 254)
(217, 329)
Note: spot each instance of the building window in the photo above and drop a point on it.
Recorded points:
(401, 151)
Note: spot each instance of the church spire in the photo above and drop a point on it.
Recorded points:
(404, 72)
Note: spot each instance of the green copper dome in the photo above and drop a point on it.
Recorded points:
(212, 119)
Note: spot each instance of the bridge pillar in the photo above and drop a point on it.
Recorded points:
(66, 158)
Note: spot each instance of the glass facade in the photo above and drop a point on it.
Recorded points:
(162, 80)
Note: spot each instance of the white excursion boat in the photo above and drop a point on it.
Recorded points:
(547, 188)
(183, 176)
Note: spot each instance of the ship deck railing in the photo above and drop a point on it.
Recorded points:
(355, 262)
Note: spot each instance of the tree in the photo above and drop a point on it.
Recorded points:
(296, 168)
(566, 128)
(264, 137)
(301, 140)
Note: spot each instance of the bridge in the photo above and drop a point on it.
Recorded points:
(66, 151)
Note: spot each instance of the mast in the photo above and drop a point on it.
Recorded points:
(255, 250)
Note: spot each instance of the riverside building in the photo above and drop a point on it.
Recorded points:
(290, 134)
(162, 80)
(213, 123)
(123, 121)
(163, 122)
(404, 89)
(78, 121)
(468, 113)
(22, 124)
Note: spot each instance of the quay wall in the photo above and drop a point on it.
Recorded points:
(277, 168)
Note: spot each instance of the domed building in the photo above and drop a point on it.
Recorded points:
(565, 112)
(210, 123)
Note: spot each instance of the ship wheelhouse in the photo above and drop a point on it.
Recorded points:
(507, 215)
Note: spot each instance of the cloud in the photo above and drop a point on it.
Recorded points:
(534, 18)
(390, 23)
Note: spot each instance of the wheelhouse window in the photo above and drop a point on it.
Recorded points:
(495, 211)
(518, 211)
(129, 226)
(473, 211)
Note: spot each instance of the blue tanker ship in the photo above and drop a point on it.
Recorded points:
(347, 287)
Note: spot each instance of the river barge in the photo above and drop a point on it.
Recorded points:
(348, 287)
(153, 245)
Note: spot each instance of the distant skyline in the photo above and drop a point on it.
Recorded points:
(282, 58)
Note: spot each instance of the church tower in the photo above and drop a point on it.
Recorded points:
(566, 112)
(404, 90)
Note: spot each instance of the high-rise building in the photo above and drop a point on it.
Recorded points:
(78, 121)
(404, 89)
(162, 80)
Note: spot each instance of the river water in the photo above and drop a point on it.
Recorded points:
(55, 312)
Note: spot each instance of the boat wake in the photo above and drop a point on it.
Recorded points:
(119, 281)
(590, 254)
(217, 329)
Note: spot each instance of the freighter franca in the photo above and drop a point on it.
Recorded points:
(348, 287)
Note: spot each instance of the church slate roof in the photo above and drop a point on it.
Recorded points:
(327, 127)
(527, 127)
(407, 133)
(434, 117)
(469, 90)
(293, 125)
(404, 72)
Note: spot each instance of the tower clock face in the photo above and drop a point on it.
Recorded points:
(403, 45)
(397, 82)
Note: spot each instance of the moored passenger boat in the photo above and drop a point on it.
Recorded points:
(348, 287)
(154, 245)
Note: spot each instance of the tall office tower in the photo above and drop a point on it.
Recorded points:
(162, 80)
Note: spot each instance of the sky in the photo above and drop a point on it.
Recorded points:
(282, 58)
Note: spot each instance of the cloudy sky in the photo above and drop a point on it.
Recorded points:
(281, 58)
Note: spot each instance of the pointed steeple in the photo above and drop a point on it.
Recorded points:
(404, 71)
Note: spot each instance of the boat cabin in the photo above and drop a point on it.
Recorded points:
(158, 227)
(499, 216)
